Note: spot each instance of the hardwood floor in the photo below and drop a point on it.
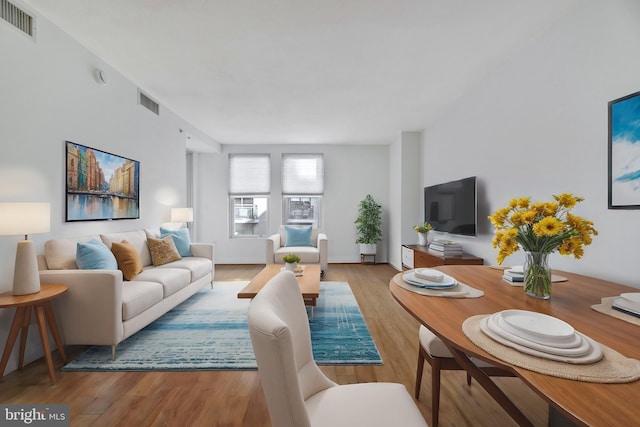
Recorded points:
(234, 398)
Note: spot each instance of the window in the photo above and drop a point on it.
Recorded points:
(302, 188)
(249, 186)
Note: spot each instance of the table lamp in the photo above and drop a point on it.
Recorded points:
(181, 214)
(25, 218)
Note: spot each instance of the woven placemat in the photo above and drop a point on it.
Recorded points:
(459, 291)
(612, 368)
(605, 308)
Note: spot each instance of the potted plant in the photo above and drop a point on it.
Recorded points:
(423, 231)
(291, 261)
(368, 225)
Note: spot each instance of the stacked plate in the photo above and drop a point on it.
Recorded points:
(429, 278)
(628, 303)
(540, 335)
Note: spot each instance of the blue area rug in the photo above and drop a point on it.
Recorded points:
(209, 331)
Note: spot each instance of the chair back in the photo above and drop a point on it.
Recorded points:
(281, 340)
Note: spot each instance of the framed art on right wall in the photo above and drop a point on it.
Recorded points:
(624, 152)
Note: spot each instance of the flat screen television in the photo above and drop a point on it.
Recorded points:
(451, 207)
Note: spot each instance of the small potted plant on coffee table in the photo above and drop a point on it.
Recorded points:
(291, 261)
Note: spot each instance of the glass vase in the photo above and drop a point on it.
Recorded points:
(537, 275)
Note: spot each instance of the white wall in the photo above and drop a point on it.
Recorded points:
(351, 172)
(405, 193)
(49, 95)
(537, 126)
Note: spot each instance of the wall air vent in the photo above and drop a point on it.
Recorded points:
(148, 103)
(17, 17)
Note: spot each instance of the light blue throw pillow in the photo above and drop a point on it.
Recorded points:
(298, 236)
(180, 238)
(95, 255)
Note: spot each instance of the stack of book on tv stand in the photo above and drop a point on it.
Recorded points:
(515, 276)
(445, 248)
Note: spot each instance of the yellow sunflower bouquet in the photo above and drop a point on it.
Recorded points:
(541, 228)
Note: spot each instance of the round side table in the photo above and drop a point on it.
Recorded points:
(24, 305)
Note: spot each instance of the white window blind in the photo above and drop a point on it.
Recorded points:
(249, 174)
(302, 174)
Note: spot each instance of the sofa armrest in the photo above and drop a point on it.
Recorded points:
(204, 250)
(323, 248)
(273, 244)
(90, 313)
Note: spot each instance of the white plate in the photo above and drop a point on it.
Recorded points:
(626, 305)
(632, 296)
(563, 342)
(447, 281)
(591, 357)
(538, 327)
(581, 348)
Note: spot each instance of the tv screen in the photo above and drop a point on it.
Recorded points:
(451, 207)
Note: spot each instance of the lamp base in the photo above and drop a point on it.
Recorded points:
(26, 277)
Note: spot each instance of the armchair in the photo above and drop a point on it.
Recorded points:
(312, 252)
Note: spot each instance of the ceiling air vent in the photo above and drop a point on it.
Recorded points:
(148, 103)
(16, 17)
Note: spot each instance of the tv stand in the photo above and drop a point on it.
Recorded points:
(416, 256)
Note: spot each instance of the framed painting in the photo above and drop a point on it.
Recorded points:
(624, 152)
(100, 185)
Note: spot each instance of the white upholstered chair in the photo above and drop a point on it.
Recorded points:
(434, 351)
(315, 252)
(298, 394)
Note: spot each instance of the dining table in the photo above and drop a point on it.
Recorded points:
(583, 403)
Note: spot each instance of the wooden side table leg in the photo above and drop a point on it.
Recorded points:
(53, 327)
(45, 341)
(18, 319)
(23, 336)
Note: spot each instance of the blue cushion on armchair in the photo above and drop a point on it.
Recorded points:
(298, 236)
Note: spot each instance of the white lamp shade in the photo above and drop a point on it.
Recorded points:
(24, 218)
(182, 214)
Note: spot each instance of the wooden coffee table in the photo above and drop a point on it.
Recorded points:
(309, 283)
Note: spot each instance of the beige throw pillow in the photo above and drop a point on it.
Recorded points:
(128, 258)
(163, 250)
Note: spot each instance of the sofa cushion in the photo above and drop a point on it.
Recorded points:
(138, 239)
(308, 255)
(283, 236)
(180, 238)
(138, 296)
(94, 255)
(171, 279)
(297, 236)
(128, 258)
(163, 250)
(60, 254)
(199, 267)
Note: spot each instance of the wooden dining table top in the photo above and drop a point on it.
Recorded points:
(584, 403)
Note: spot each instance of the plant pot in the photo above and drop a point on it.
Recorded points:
(290, 266)
(422, 239)
(368, 248)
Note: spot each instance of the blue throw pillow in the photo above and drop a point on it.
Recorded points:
(95, 255)
(180, 238)
(298, 236)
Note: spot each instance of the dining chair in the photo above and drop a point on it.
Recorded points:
(297, 392)
(434, 351)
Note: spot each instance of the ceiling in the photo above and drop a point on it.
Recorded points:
(303, 71)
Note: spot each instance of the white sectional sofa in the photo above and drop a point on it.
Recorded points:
(101, 308)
